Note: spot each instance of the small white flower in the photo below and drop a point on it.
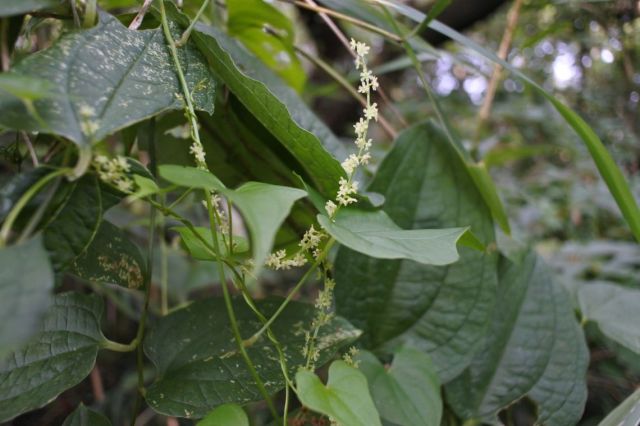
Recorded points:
(361, 127)
(350, 164)
(330, 207)
(198, 153)
(345, 192)
(86, 111)
(371, 112)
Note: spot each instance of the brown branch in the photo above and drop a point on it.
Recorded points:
(137, 21)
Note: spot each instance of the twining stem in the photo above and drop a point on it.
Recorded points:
(231, 313)
(212, 220)
(250, 341)
(164, 267)
(185, 35)
(24, 199)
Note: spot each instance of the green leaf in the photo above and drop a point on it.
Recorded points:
(200, 251)
(190, 177)
(24, 87)
(247, 20)
(264, 207)
(275, 105)
(74, 225)
(225, 415)
(144, 187)
(202, 369)
(83, 416)
(58, 358)
(345, 398)
(625, 414)
(15, 186)
(111, 258)
(406, 394)
(105, 79)
(609, 171)
(394, 302)
(534, 348)
(10, 8)
(375, 234)
(26, 282)
(615, 310)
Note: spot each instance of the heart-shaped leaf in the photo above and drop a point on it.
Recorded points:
(105, 79)
(394, 302)
(406, 394)
(190, 177)
(534, 348)
(224, 415)
(56, 359)
(202, 369)
(345, 398)
(10, 8)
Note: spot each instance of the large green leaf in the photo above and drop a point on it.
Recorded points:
(247, 19)
(74, 225)
(534, 348)
(443, 311)
(264, 207)
(26, 282)
(274, 104)
(190, 177)
(225, 415)
(9, 8)
(625, 414)
(58, 358)
(406, 394)
(345, 398)
(111, 258)
(104, 79)
(609, 171)
(376, 235)
(83, 416)
(201, 368)
(616, 311)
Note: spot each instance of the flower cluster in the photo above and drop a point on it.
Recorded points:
(323, 316)
(309, 244)
(348, 357)
(114, 172)
(368, 83)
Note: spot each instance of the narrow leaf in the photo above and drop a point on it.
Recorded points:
(190, 177)
(625, 414)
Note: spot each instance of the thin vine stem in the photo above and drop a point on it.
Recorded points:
(24, 199)
(185, 35)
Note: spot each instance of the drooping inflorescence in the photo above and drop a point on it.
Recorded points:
(114, 172)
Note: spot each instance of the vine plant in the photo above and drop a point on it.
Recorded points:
(198, 127)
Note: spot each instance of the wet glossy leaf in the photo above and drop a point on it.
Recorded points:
(224, 415)
(396, 302)
(104, 79)
(345, 398)
(534, 348)
(25, 88)
(406, 394)
(202, 369)
(111, 258)
(274, 104)
(83, 416)
(375, 234)
(615, 309)
(26, 282)
(57, 358)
